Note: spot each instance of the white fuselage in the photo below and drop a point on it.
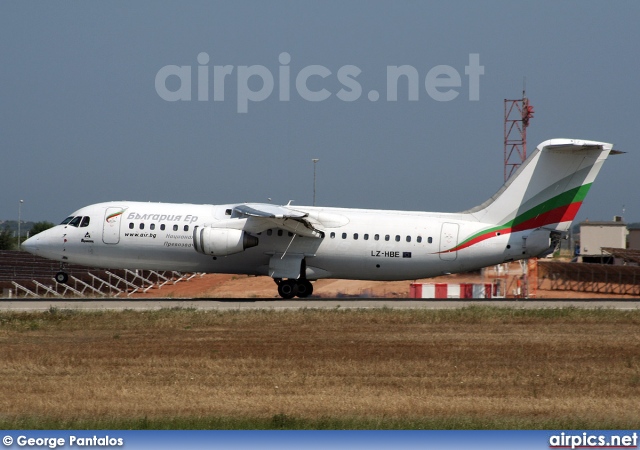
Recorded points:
(357, 244)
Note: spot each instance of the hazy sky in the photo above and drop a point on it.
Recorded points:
(81, 119)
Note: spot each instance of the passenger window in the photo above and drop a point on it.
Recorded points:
(67, 220)
(227, 212)
(76, 221)
(85, 221)
(131, 225)
(279, 232)
(386, 237)
(175, 228)
(419, 239)
(355, 236)
(366, 237)
(333, 235)
(430, 240)
(408, 238)
(269, 232)
(186, 228)
(376, 237)
(142, 226)
(397, 238)
(152, 226)
(162, 227)
(344, 235)
(290, 234)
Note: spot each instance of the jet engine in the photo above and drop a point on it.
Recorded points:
(221, 241)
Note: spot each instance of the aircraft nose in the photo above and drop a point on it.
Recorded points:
(31, 244)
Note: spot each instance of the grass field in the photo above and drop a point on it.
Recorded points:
(391, 369)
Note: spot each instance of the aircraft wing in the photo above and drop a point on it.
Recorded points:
(264, 215)
(268, 211)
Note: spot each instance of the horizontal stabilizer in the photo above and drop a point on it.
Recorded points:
(573, 146)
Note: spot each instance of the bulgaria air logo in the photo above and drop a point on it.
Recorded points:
(112, 218)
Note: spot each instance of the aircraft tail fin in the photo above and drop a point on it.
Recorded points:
(548, 188)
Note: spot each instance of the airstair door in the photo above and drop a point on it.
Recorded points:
(112, 221)
(448, 240)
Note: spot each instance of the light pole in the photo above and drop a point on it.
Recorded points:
(315, 160)
(19, 220)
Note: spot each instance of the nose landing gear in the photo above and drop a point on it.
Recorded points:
(62, 277)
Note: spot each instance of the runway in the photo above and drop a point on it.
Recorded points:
(249, 304)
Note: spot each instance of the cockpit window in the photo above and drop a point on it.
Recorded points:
(76, 221)
(67, 220)
(85, 221)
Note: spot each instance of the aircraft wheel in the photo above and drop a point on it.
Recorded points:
(62, 277)
(288, 289)
(305, 288)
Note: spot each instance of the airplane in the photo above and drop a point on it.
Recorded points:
(296, 245)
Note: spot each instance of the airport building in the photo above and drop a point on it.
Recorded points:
(633, 239)
(597, 235)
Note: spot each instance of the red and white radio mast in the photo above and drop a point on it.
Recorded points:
(517, 114)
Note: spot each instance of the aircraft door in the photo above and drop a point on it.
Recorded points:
(448, 240)
(112, 221)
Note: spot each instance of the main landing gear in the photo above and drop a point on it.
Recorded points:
(288, 289)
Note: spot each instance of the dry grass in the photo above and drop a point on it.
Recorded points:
(503, 367)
